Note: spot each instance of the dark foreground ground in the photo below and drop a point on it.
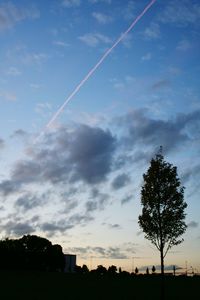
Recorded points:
(42, 286)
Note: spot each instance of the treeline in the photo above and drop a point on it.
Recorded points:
(112, 270)
(31, 252)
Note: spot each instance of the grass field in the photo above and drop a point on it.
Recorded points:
(39, 286)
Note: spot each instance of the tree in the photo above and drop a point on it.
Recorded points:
(153, 269)
(136, 271)
(162, 197)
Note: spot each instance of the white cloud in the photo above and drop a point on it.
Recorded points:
(183, 45)
(71, 3)
(147, 56)
(11, 14)
(33, 58)
(152, 32)
(8, 96)
(128, 10)
(98, 1)
(60, 43)
(13, 71)
(94, 39)
(180, 13)
(102, 18)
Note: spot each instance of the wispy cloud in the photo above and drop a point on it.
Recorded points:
(13, 71)
(181, 13)
(99, 1)
(71, 3)
(60, 43)
(184, 45)
(94, 39)
(152, 32)
(102, 18)
(8, 96)
(192, 224)
(147, 56)
(10, 14)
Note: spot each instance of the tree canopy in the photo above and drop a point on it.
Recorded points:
(163, 213)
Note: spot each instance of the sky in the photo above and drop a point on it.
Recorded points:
(78, 181)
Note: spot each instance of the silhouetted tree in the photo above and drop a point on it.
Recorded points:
(153, 269)
(101, 270)
(136, 270)
(85, 269)
(31, 252)
(112, 270)
(162, 197)
(147, 271)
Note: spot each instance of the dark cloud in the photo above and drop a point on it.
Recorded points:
(2, 143)
(52, 228)
(192, 224)
(101, 252)
(126, 199)
(140, 129)
(114, 226)
(120, 181)
(91, 153)
(80, 219)
(28, 201)
(13, 228)
(98, 200)
(19, 133)
(8, 187)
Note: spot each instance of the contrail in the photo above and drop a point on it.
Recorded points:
(62, 107)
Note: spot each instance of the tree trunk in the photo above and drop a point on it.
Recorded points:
(162, 287)
(162, 261)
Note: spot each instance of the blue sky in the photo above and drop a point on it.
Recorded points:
(79, 183)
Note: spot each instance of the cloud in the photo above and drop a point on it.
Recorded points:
(91, 153)
(71, 3)
(11, 14)
(98, 201)
(94, 39)
(52, 228)
(19, 133)
(102, 18)
(116, 252)
(2, 144)
(28, 201)
(192, 224)
(152, 32)
(181, 13)
(8, 96)
(126, 199)
(99, 1)
(8, 187)
(183, 45)
(128, 10)
(160, 84)
(143, 130)
(120, 181)
(147, 56)
(60, 43)
(12, 71)
(33, 58)
(17, 228)
(114, 226)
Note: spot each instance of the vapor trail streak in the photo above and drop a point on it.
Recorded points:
(62, 107)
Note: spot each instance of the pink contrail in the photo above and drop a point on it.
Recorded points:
(62, 107)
